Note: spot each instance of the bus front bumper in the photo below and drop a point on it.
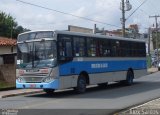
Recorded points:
(51, 85)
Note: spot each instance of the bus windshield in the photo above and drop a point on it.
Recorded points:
(35, 35)
(37, 54)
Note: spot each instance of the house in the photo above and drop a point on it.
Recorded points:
(8, 51)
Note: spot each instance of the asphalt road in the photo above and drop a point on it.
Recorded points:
(95, 101)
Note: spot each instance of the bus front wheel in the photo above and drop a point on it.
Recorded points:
(81, 84)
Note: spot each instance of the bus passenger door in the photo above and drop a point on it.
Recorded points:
(65, 55)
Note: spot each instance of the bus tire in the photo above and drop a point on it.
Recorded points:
(81, 84)
(49, 91)
(129, 78)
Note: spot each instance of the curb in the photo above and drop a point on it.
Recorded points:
(21, 93)
(151, 71)
(9, 88)
(134, 107)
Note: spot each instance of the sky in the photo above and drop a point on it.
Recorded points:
(106, 11)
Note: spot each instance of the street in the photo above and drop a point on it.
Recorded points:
(114, 97)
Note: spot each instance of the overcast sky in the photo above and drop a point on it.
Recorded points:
(107, 11)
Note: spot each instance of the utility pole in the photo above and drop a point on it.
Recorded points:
(149, 41)
(95, 29)
(123, 19)
(124, 6)
(156, 17)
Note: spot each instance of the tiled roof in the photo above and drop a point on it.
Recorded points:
(7, 41)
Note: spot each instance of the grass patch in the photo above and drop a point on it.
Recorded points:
(5, 85)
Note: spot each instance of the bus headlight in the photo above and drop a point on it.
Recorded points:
(48, 79)
(21, 80)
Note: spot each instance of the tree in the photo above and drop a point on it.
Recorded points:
(156, 38)
(9, 27)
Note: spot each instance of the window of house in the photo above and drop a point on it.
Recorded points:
(8, 59)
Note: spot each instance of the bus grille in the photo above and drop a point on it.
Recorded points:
(33, 79)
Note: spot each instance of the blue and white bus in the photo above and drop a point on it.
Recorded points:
(53, 60)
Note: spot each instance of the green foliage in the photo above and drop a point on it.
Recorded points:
(9, 27)
(4, 85)
(155, 38)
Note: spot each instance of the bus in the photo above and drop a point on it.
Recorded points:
(53, 60)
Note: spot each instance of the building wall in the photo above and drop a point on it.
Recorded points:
(1, 60)
(8, 73)
(7, 49)
(79, 29)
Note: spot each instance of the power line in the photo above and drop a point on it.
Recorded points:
(135, 2)
(154, 6)
(136, 10)
(144, 12)
(84, 18)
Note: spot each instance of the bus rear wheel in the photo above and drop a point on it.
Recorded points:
(49, 91)
(81, 84)
(129, 78)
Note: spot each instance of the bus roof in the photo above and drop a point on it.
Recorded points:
(35, 31)
(87, 34)
(98, 36)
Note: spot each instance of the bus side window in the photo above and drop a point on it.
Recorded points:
(106, 48)
(79, 46)
(65, 47)
(91, 43)
(61, 49)
(68, 49)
